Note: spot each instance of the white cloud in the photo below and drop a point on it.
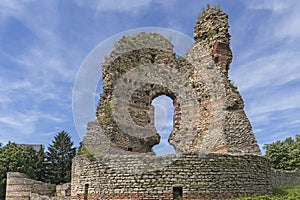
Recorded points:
(23, 127)
(18, 123)
(10, 121)
(289, 27)
(4, 98)
(45, 64)
(267, 70)
(16, 85)
(270, 70)
(275, 103)
(283, 22)
(275, 5)
(118, 6)
(10, 7)
(46, 68)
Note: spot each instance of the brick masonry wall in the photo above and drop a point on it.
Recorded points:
(20, 187)
(285, 178)
(149, 177)
(63, 190)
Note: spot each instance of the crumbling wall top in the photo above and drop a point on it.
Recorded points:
(208, 109)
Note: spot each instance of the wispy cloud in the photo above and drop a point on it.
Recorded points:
(117, 6)
(39, 64)
(38, 82)
(283, 21)
(275, 5)
(10, 7)
(30, 126)
(267, 69)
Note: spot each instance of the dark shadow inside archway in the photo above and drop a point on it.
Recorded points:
(163, 122)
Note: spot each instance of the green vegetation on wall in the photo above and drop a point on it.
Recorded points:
(234, 87)
(207, 7)
(121, 68)
(82, 150)
(106, 108)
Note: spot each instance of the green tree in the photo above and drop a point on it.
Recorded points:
(59, 159)
(294, 154)
(40, 165)
(284, 155)
(14, 158)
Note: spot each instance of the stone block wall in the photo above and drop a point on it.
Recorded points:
(195, 176)
(20, 187)
(285, 178)
(63, 190)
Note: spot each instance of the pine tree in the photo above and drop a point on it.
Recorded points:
(59, 159)
(40, 165)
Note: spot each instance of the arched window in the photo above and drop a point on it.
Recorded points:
(163, 122)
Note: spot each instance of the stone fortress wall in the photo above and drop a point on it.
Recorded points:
(19, 187)
(210, 176)
(285, 178)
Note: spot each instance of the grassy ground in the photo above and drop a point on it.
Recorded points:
(284, 193)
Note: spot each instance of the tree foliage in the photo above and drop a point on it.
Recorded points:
(284, 155)
(54, 166)
(14, 158)
(59, 159)
(40, 165)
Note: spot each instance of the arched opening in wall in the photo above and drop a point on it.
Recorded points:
(163, 122)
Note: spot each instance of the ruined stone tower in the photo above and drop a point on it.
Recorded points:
(208, 109)
(211, 134)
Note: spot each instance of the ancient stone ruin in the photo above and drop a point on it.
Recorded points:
(208, 109)
(217, 156)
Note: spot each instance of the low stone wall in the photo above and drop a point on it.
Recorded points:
(285, 178)
(63, 190)
(20, 187)
(191, 176)
(36, 196)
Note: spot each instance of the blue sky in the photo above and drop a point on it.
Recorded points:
(44, 43)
